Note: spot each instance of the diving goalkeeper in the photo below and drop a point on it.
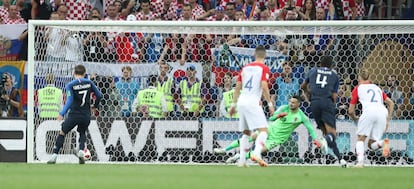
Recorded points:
(285, 120)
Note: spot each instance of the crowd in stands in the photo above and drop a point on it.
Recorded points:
(212, 10)
(160, 48)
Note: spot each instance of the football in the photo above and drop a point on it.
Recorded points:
(87, 154)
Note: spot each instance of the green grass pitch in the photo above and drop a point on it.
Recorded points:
(142, 176)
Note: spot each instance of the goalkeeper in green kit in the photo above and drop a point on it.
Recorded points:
(284, 121)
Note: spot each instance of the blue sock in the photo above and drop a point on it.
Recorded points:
(82, 140)
(330, 139)
(59, 143)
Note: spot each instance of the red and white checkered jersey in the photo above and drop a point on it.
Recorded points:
(360, 9)
(347, 6)
(4, 13)
(150, 16)
(198, 10)
(170, 14)
(369, 95)
(223, 3)
(322, 4)
(251, 78)
(18, 20)
(157, 7)
(78, 9)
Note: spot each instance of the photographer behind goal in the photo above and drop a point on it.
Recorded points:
(10, 105)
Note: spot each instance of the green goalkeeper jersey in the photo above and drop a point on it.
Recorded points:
(282, 128)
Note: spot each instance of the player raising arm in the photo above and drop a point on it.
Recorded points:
(284, 121)
(374, 119)
(251, 84)
(78, 109)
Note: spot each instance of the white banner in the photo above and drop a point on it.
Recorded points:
(10, 125)
(65, 69)
(205, 135)
(177, 70)
(234, 58)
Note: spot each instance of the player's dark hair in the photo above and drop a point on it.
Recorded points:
(327, 61)
(80, 70)
(297, 97)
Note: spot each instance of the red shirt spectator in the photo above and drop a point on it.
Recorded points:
(14, 16)
(106, 5)
(360, 9)
(350, 9)
(78, 9)
(166, 10)
(146, 13)
(128, 47)
(4, 10)
(323, 4)
(112, 13)
(187, 13)
(197, 9)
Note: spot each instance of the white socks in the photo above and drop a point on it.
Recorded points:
(244, 147)
(259, 144)
(360, 152)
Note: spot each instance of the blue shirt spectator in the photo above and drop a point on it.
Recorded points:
(128, 89)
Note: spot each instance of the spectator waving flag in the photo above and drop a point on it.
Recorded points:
(10, 46)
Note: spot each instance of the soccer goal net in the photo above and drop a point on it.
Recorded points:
(195, 63)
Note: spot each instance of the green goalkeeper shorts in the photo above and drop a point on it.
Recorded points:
(270, 144)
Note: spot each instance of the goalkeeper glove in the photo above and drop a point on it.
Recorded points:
(317, 143)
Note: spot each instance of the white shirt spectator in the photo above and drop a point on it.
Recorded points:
(74, 48)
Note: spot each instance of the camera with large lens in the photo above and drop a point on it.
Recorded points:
(2, 83)
(3, 103)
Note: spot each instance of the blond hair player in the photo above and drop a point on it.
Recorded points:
(374, 119)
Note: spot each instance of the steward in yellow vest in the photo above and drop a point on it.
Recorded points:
(166, 85)
(225, 104)
(49, 99)
(191, 102)
(150, 102)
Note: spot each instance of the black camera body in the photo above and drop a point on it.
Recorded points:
(2, 83)
(3, 103)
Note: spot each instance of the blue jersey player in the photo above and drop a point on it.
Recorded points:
(322, 83)
(78, 109)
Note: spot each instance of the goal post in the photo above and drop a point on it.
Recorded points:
(213, 49)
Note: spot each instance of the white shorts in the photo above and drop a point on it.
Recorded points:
(251, 116)
(372, 123)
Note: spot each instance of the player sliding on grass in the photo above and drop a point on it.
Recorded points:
(285, 120)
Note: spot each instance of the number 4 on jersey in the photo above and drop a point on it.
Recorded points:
(248, 84)
(322, 81)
